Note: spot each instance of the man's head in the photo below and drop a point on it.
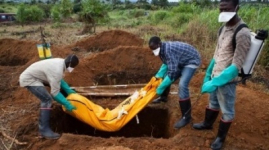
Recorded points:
(155, 44)
(71, 61)
(229, 5)
(228, 10)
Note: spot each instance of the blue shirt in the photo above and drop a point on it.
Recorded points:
(176, 55)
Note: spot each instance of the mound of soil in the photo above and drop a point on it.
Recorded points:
(121, 65)
(123, 60)
(107, 40)
(17, 53)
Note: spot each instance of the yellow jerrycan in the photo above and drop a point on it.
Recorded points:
(44, 51)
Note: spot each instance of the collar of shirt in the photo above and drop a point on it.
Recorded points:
(234, 26)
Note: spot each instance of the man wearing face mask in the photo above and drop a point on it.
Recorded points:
(180, 60)
(49, 72)
(221, 76)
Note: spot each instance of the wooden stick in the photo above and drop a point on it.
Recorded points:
(4, 144)
(13, 139)
(110, 86)
(112, 94)
(106, 94)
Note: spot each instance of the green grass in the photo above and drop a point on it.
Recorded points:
(193, 24)
(186, 22)
(7, 8)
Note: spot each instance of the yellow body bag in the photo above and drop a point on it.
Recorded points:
(112, 120)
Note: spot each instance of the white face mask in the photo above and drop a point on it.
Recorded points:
(70, 69)
(156, 51)
(226, 16)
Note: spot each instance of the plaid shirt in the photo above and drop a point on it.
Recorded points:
(176, 55)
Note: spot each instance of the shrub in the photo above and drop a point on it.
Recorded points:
(55, 13)
(34, 13)
(179, 19)
(46, 9)
(21, 14)
(77, 8)
(159, 16)
(66, 8)
(2, 10)
(184, 8)
(136, 13)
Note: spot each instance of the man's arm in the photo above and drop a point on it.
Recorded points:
(172, 69)
(55, 83)
(162, 71)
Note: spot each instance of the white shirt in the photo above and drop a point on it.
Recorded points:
(49, 71)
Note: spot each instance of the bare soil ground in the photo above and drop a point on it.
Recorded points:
(117, 57)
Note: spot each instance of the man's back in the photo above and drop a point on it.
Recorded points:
(181, 53)
(44, 71)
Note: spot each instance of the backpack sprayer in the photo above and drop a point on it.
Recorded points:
(257, 43)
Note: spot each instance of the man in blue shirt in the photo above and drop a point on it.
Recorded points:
(180, 60)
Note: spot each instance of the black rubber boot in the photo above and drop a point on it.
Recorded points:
(163, 97)
(210, 117)
(44, 129)
(185, 106)
(223, 130)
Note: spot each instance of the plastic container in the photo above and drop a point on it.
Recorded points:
(44, 51)
(253, 54)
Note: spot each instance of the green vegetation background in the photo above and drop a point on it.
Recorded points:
(187, 22)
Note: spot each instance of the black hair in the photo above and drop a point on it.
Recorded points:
(155, 40)
(235, 2)
(72, 59)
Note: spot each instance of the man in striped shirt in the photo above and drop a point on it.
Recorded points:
(180, 60)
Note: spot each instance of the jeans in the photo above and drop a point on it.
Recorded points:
(186, 75)
(224, 98)
(41, 93)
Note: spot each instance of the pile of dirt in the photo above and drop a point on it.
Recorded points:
(107, 40)
(121, 59)
(17, 53)
(121, 65)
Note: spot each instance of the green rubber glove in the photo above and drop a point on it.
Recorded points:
(209, 71)
(225, 76)
(66, 87)
(165, 83)
(162, 71)
(62, 100)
